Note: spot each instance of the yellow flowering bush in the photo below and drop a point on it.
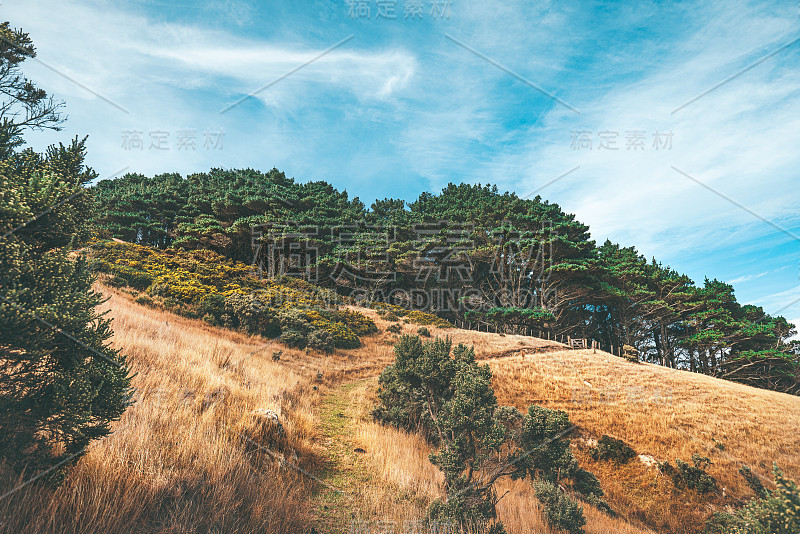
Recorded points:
(202, 283)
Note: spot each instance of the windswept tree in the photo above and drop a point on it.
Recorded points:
(24, 105)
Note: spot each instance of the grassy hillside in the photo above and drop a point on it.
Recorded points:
(192, 453)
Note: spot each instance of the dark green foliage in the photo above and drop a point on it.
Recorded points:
(451, 401)
(394, 328)
(684, 475)
(250, 314)
(753, 481)
(293, 338)
(586, 483)
(320, 340)
(616, 450)
(61, 384)
(560, 510)
(423, 331)
(778, 513)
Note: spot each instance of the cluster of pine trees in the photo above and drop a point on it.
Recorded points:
(516, 264)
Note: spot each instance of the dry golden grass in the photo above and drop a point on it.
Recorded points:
(177, 463)
(665, 414)
(173, 463)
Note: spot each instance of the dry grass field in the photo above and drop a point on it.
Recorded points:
(191, 456)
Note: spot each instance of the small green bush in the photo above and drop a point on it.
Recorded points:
(616, 450)
(586, 483)
(600, 504)
(293, 338)
(560, 510)
(753, 481)
(144, 299)
(694, 476)
(424, 332)
(320, 340)
(394, 328)
(391, 316)
(778, 513)
(359, 323)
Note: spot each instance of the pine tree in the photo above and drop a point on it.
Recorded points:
(61, 385)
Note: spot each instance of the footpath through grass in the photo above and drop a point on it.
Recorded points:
(364, 499)
(344, 468)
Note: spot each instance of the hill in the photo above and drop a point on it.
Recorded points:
(194, 452)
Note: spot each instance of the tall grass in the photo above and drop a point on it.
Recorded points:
(177, 460)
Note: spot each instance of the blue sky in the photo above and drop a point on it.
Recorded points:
(511, 93)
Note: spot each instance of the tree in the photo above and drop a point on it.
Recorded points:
(451, 401)
(61, 384)
(24, 106)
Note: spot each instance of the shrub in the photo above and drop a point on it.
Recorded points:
(293, 338)
(213, 304)
(778, 513)
(144, 299)
(391, 317)
(609, 448)
(690, 476)
(424, 332)
(394, 328)
(586, 483)
(448, 397)
(360, 324)
(600, 504)
(341, 336)
(753, 481)
(321, 340)
(560, 510)
(252, 316)
(127, 276)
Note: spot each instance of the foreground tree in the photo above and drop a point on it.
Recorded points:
(61, 385)
(451, 400)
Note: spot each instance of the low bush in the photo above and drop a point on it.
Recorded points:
(394, 328)
(753, 481)
(360, 324)
(616, 450)
(694, 476)
(144, 299)
(293, 338)
(424, 332)
(321, 340)
(203, 284)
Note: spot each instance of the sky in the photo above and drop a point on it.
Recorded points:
(671, 126)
